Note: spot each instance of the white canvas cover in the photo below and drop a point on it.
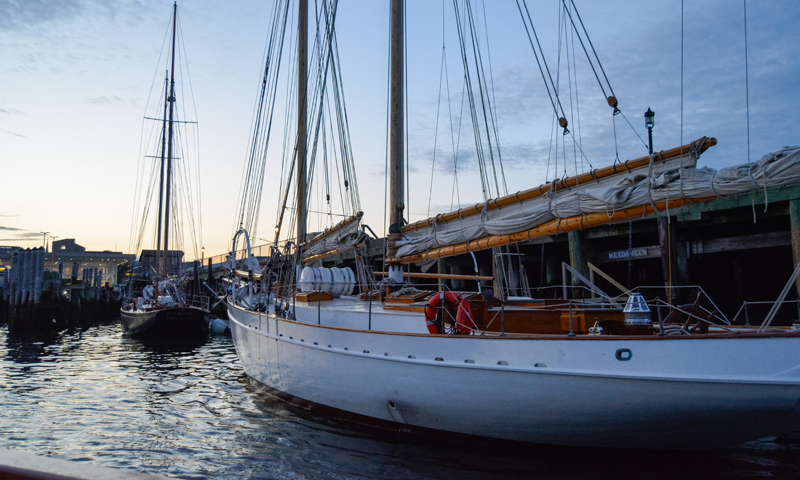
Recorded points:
(647, 185)
(342, 240)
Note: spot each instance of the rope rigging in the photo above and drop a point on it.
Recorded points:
(184, 175)
(255, 166)
(746, 79)
(611, 99)
(438, 108)
(328, 127)
(550, 86)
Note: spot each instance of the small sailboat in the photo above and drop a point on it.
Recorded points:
(157, 302)
(583, 372)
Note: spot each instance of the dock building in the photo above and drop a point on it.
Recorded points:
(67, 254)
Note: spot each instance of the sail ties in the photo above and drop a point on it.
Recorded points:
(484, 217)
(757, 186)
(551, 202)
(650, 184)
(435, 231)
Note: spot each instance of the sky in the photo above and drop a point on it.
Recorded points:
(75, 76)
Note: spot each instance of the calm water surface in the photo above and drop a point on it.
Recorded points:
(191, 412)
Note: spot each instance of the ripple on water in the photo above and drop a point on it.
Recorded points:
(192, 413)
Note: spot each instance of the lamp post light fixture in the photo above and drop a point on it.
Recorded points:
(202, 257)
(649, 121)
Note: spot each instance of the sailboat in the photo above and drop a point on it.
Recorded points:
(157, 303)
(520, 369)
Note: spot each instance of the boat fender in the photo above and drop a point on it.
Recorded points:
(351, 281)
(306, 282)
(337, 281)
(455, 300)
(325, 279)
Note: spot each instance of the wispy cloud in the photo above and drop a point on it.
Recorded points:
(37, 15)
(11, 111)
(103, 100)
(15, 234)
(31, 14)
(21, 238)
(19, 135)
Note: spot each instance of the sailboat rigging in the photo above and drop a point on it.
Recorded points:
(157, 303)
(526, 369)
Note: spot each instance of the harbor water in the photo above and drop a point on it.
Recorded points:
(189, 411)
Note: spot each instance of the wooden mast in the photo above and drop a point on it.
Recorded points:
(396, 133)
(161, 178)
(302, 87)
(171, 100)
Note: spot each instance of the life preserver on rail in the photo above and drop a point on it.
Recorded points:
(463, 317)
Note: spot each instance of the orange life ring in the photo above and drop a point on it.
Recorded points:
(462, 317)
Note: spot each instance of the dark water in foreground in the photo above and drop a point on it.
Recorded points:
(97, 397)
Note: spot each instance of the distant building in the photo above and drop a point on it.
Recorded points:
(66, 252)
(68, 245)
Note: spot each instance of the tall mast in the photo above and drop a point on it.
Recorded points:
(302, 87)
(171, 100)
(161, 180)
(396, 132)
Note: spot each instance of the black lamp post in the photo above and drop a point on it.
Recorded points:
(649, 121)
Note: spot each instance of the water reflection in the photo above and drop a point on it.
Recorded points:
(190, 412)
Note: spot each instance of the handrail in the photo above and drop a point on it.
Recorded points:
(659, 301)
(766, 302)
(774, 310)
(566, 268)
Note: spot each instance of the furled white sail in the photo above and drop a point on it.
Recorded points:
(648, 185)
(342, 238)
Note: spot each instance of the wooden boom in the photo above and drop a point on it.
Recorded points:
(568, 182)
(340, 225)
(445, 276)
(553, 227)
(331, 252)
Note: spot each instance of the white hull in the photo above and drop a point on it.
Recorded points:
(674, 392)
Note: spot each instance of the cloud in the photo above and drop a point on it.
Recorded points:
(31, 14)
(23, 237)
(11, 111)
(38, 16)
(103, 100)
(18, 234)
(14, 133)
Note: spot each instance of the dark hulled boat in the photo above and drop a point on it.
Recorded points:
(166, 321)
(158, 305)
